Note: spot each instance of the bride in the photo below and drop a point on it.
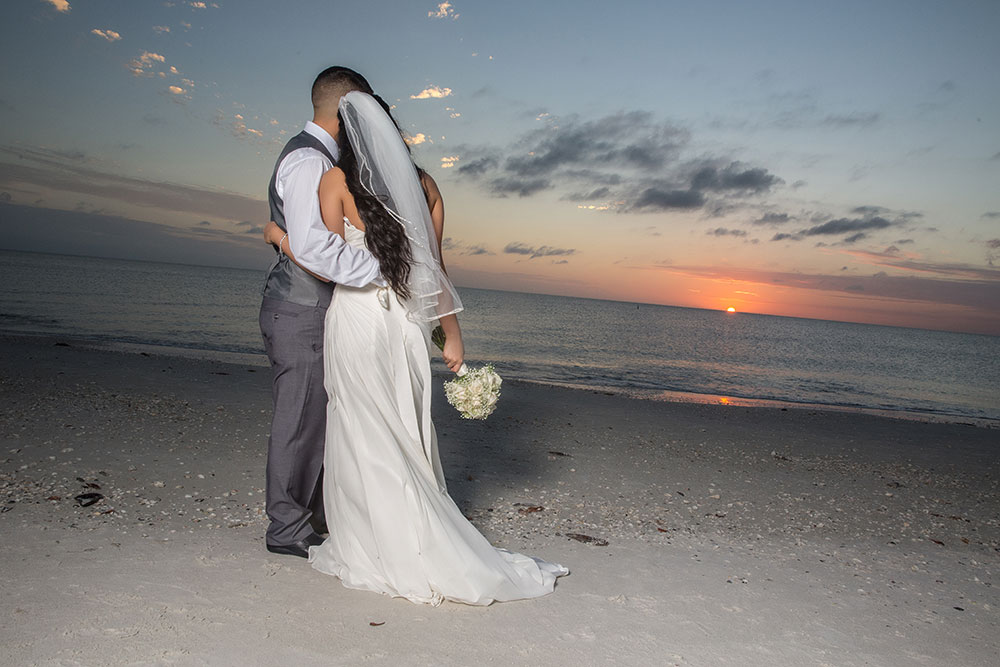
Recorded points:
(393, 527)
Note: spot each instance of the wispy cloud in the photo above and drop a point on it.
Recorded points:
(160, 29)
(416, 139)
(108, 34)
(103, 235)
(722, 231)
(464, 248)
(237, 125)
(853, 119)
(627, 162)
(443, 11)
(852, 229)
(69, 171)
(773, 219)
(533, 252)
(60, 5)
(434, 92)
(144, 64)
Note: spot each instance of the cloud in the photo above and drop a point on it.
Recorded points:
(626, 139)
(463, 248)
(238, 126)
(628, 160)
(995, 157)
(735, 176)
(479, 166)
(853, 119)
(993, 244)
(96, 234)
(844, 225)
(443, 11)
(772, 219)
(415, 139)
(205, 223)
(722, 231)
(602, 192)
(523, 187)
(108, 34)
(855, 228)
(160, 29)
(142, 65)
(67, 171)
(449, 161)
(197, 5)
(433, 92)
(991, 215)
(661, 200)
(60, 5)
(518, 248)
(176, 90)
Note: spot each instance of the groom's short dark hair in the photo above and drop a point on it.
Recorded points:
(334, 82)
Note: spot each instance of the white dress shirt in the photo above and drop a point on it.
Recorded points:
(315, 247)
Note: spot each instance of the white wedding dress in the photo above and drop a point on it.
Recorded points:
(393, 527)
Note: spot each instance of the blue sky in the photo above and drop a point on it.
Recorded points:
(832, 160)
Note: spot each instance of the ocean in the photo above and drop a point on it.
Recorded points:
(650, 351)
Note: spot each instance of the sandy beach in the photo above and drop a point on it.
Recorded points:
(696, 534)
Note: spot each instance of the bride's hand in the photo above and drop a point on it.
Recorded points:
(273, 233)
(453, 353)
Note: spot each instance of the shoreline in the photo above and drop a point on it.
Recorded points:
(730, 535)
(438, 370)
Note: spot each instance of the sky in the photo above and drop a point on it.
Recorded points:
(824, 160)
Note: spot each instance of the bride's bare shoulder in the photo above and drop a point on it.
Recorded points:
(334, 180)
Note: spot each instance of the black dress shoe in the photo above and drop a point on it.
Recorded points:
(300, 548)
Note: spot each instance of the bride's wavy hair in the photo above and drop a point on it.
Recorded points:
(385, 236)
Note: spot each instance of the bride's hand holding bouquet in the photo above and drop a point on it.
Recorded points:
(475, 392)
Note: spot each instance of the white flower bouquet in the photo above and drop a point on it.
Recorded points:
(474, 393)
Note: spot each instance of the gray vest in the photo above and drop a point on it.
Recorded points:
(285, 280)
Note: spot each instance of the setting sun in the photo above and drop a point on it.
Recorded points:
(730, 310)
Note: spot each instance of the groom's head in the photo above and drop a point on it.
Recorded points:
(332, 84)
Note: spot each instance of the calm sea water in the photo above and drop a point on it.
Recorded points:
(642, 349)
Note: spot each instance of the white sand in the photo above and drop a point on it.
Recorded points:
(736, 536)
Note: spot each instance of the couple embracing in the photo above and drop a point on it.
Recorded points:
(346, 317)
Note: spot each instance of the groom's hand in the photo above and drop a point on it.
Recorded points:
(273, 233)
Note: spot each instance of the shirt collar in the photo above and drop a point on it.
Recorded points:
(324, 136)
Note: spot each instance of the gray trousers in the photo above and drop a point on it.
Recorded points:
(293, 340)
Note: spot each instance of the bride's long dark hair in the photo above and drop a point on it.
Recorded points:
(384, 235)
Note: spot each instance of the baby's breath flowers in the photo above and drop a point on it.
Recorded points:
(474, 393)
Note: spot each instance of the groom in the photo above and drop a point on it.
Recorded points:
(291, 318)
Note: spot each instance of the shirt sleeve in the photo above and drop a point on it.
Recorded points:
(315, 247)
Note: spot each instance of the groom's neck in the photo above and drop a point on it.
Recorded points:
(331, 125)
